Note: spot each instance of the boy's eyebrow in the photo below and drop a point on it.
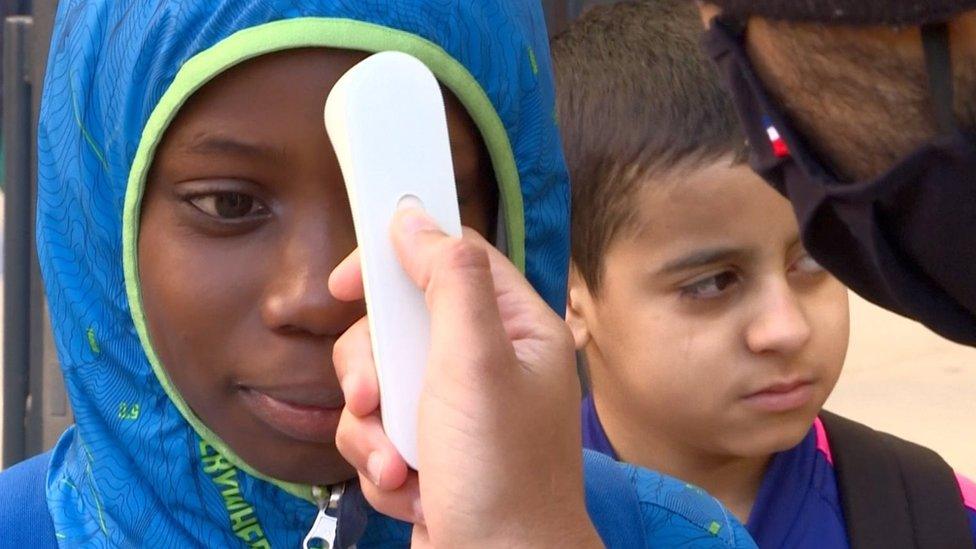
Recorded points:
(704, 257)
(210, 144)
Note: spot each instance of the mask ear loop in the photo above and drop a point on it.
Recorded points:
(938, 64)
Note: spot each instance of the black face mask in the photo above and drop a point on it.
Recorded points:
(905, 240)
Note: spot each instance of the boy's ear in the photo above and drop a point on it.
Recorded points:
(578, 303)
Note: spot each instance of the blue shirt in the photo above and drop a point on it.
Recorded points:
(798, 504)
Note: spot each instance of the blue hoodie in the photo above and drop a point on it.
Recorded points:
(139, 468)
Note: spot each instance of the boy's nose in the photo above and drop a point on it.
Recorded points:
(298, 298)
(781, 324)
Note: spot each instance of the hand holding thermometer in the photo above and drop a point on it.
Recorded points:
(387, 123)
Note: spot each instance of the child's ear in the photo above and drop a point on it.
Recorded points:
(578, 302)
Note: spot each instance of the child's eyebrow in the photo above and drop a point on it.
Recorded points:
(214, 144)
(704, 257)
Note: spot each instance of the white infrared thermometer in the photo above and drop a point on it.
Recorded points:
(387, 123)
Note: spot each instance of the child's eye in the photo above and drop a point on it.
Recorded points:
(711, 287)
(228, 205)
(807, 265)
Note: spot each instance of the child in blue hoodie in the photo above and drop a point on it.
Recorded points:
(190, 210)
(711, 337)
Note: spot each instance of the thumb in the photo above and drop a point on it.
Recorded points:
(455, 275)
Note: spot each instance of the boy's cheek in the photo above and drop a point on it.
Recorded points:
(832, 332)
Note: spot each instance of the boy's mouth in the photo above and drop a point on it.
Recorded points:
(782, 396)
(306, 413)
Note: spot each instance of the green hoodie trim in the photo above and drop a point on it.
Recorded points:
(284, 35)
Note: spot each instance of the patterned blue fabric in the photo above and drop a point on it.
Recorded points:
(678, 514)
(632, 508)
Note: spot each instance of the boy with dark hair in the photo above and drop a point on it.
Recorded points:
(712, 339)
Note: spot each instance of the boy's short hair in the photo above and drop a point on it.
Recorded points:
(637, 99)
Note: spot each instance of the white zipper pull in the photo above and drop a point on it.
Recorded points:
(327, 521)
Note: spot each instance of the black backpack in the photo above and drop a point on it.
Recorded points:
(895, 494)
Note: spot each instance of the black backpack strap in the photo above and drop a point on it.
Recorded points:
(894, 493)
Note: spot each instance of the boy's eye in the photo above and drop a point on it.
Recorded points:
(807, 265)
(711, 287)
(228, 205)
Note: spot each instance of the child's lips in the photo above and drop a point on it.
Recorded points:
(299, 413)
(782, 397)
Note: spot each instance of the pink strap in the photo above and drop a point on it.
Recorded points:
(968, 489)
(822, 443)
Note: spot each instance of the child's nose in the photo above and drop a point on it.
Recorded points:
(780, 324)
(298, 298)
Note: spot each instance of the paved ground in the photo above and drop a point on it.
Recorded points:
(905, 380)
(899, 378)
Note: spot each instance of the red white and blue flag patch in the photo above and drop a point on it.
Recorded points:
(775, 139)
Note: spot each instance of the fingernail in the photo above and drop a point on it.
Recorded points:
(374, 467)
(414, 218)
(409, 201)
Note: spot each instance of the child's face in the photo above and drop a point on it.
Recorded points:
(713, 330)
(244, 218)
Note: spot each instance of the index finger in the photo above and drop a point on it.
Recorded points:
(352, 357)
(346, 280)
